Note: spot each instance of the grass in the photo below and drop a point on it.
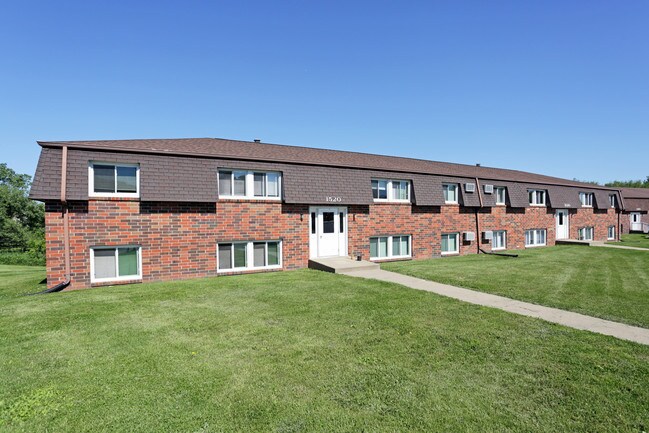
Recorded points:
(640, 240)
(301, 351)
(604, 282)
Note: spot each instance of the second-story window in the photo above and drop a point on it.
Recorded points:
(500, 195)
(586, 199)
(114, 180)
(390, 190)
(536, 197)
(612, 200)
(450, 192)
(249, 184)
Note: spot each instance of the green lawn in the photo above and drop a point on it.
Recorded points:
(633, 240)
(301, 351)
(604, 282)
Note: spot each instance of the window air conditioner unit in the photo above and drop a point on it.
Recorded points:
(469, 187)
(469, 236)
(488, 189)
(488, 235)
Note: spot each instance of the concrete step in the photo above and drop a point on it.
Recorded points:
(341, 265)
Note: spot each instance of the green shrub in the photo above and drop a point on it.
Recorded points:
(26, 258)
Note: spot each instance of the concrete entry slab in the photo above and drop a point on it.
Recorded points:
(341, 265)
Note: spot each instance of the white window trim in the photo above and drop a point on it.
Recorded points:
(457, 188)
(612, 200)
(586, 196)
(504, 190)
(115, 279)
(250, 185)
(534, 202)
(457, 243)
(390, 255)
(91, 180)
(504, 247)
(608, 233)
(250, 258)
(581, 233)
(535, 238)
(390, 193)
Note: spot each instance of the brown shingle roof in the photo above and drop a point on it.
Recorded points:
(635, 192)
(245, 150)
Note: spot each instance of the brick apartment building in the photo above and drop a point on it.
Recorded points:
(129, 211)
(636, 207)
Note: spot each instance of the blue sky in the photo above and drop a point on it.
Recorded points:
(555, 87)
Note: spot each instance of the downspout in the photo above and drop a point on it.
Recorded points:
(66, 227)
(477, 216)
(619, 215)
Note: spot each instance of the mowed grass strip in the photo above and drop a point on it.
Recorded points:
(639, 240)
(301, 351)
(603, 282)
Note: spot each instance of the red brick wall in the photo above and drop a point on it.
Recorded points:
(625, 220)
(179, 240)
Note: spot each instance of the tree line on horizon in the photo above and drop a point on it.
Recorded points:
(620, 183)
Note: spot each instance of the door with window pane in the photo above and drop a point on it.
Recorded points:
(328, 232)
(563, 228)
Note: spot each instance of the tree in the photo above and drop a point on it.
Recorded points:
(22, 221)
(630, 183)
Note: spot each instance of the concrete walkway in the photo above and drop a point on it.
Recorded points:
(622, 247)
(598, 244)
(554, 315)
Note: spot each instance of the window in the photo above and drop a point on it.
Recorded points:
(450, 243)
(536, 197)
(450, 192)
(249, 184)
(501, 194)
(390, 190)
(586, 199)
(535, 238)
(115, 264)
(611, 232)
(238, 256)
(586, 233)
(612, 199)
(499, 241)
(114, 180)
(387, 247)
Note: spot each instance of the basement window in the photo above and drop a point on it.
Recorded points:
(389, 247)
(113, 180)
(611, 233)
(115, 264)
(535, 238)
(499, 241)
(242, 256)
(259, 185)
(450, 243)
(586, 234)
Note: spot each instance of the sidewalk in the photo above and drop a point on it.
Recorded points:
(554, 315)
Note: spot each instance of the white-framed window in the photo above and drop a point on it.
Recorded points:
(249, 255)
(499, 241)
(250, 184)
(390, 190)
(107, 179)
(450, 243)
(501, 195)
(535, 237)
(121, 263)
(389, 247)
(536, 197)
(586, 199)
(450, 192)
(612, 200)
(611, 232)
(586, 233)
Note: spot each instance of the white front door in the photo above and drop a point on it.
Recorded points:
(328, 232)
(636, 224)
(563, 224)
